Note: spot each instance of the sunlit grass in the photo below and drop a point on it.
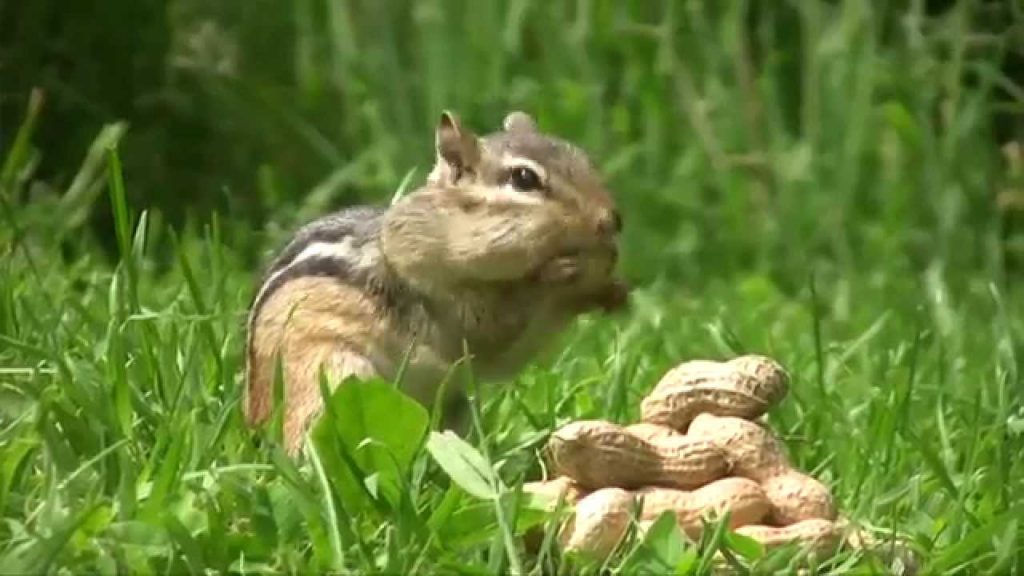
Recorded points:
(847, 230)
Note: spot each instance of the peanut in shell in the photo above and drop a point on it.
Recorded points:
(743, 499)
(558, 488)
(754, 452)
(598, 454)
(599, 522)
(652, 432)
(796, 497)
(745, 387)
(817, 534)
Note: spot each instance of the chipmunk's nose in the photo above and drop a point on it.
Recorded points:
(610, 223)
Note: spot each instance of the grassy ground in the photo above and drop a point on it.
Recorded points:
(848, 224)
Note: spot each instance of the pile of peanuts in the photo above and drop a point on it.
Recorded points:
(698, 452)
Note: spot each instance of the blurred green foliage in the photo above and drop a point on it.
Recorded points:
(736, 135)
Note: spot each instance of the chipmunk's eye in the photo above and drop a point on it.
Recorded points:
(524, 179)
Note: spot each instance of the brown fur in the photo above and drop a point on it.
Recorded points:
(470, 260)
(310, 324)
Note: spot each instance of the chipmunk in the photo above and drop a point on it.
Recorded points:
(511, 237)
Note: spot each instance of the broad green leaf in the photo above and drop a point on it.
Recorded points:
(463, 464)
(665, 540)
(470, 525)
(662, 548)
(745, 546)
(688, 562)
(369, 430)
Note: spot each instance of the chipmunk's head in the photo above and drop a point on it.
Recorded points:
(514, 205)
(521, 167)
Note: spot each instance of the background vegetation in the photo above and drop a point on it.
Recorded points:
(837, 184)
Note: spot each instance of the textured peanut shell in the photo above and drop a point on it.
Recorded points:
(751, 449)
(599, 523)
(676, 407)
(821, 536)
(688, 462)
(598, 454)
(769, 379)
(796, 497)
(652, 432)
(753, 375)
(559, 488)
(742, 498)
(746, 387)
(754, 452)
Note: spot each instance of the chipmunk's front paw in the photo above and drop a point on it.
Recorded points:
(615, 298)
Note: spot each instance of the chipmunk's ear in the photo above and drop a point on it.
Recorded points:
(458, 150)
(518, 121)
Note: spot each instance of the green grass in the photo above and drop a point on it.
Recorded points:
(820, 188)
